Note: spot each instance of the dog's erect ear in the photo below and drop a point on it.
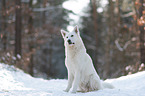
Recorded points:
(76, 29)
(63, 33)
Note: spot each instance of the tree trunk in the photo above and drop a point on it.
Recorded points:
(142, 35)
(109, 45)
(44, 12)
(30, 44)
(50, 72)
(111, 17)
(4, 24)
(95, 28)
(118, 16)
(18, 28)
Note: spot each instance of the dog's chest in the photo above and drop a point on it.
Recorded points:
(72, 61)
(72, 64)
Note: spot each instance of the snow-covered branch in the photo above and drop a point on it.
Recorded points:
(122, 48)
(128, 14)
(45, 9)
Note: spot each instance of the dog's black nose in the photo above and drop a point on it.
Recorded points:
(69, 41)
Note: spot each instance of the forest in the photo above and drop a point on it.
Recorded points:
(113, 32)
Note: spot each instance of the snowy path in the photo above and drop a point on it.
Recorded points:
(14, 82)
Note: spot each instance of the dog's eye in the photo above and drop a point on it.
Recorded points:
(67, 37)
(72, 35)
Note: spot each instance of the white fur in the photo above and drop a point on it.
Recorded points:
(81, 72)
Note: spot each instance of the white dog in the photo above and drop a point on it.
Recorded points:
(81, 72)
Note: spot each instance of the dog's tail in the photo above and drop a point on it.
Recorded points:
(107, 85)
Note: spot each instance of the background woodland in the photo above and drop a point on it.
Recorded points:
(114, 37)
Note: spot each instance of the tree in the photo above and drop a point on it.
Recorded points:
(4, 24)
(94, 14)
(109, 45)
(18, 28)
(142, 33)
(31, 33)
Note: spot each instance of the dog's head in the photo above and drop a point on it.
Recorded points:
(70, 38)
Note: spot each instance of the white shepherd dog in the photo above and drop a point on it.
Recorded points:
(81, 72)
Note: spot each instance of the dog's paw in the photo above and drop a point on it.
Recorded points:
(73, 92)
(66, 90)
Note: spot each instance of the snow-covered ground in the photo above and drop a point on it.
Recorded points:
(14, 82)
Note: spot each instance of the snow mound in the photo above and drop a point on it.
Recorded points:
(14, 82)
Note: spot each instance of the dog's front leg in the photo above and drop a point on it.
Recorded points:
(76, 82)
(70, 81)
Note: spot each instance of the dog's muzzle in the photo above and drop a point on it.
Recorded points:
(69, 42)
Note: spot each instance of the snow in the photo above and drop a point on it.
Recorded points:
(77, 7)
(14, 82)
